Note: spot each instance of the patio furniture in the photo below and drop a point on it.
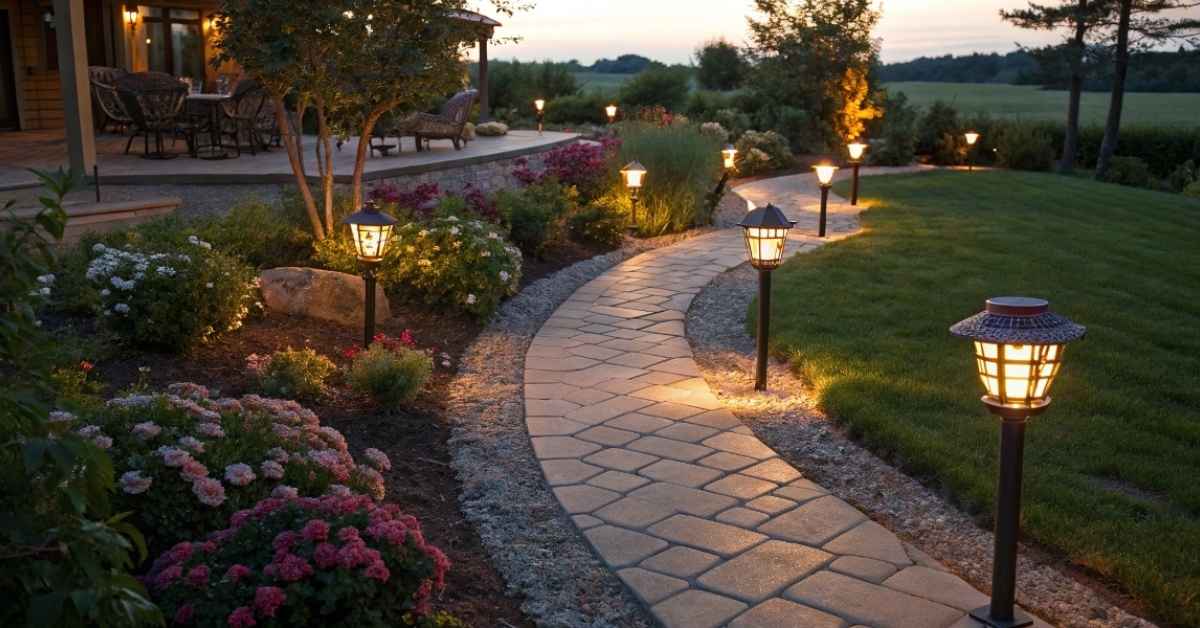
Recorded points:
(242, 116)
(154, 101)
(446, 125)
(106, 105)
(205, 113)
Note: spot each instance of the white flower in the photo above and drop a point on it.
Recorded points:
(165, 271)
(272, 470)
(45, 279)
(134, 483)
(146, 430)
(504, 276)
(60, 416)
(105, 292)
(44, 291)
(452, 218)
(492, 235)
(284, 491)
(103, 442)
(239, 474)
(454, 231)
(209, 285)
(470, 299)
(98, 248)
(485, 253)
(121, 308)
(192, 443)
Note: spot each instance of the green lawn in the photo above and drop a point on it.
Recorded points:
(1113, 468)
(1031, 103)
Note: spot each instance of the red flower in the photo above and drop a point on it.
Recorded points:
(86, 366)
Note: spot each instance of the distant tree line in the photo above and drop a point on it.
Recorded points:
(1149, 71)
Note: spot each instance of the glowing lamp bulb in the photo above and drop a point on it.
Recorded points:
(611, 112)
(972, 138)
(730, 156)
(539, 104)
(825, 174)
(856, 150)
(634, 174)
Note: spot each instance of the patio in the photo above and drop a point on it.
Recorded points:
(48, 149)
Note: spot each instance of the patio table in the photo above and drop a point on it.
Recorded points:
(213, 102)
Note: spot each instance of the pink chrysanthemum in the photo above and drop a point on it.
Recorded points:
(241, 617)
(210, 492)
(268, 599)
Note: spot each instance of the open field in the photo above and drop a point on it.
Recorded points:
(1031, 103)
(1111, 468)
(598, 81)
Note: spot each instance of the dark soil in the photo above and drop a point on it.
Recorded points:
(415, 438)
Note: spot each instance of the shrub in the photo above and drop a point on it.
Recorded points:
(417, 202)
(899, 136)
(734, 120)
(186, 462)
(462, 264)
(259, 233)
(938, 134)
(491, 129)
(292, 373)
(703, 104)
(663, 86)
(390, 372)
(720, 65)
(1022, 147)
(533, 214)
(601, 222)
(683, 167)
(582, 108)
(587, 166)
(1183, 176)
(716, 130)
(171, 300)
(1192, 190)
(1131, 171)
(778, 155)
(334, 560)
(796, 126)
(515, 84)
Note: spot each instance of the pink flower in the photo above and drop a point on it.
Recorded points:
(103, 442)
(339, 490)
(241, 617)
(198, 576)
(272, 470)
(134, 483)
(183, 615)
(284, 491)
(237, 572)
(188, 390)
(278, 454)
(211, 430)
(209, 547)
(210, 492)
(393, 532)
(284, 541)
(290, 568)
(377, 571)
(325, 556)
(173, 456)
(268, 599)
(192, 443)
(239, 518)
(180, 552)
(146, 430)
(378, 459)
(315, 530)
(239, 474)
(193, 470)
(168, 576)
(348, 533)
(374, 480)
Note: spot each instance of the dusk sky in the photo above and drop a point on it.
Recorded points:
(669, 30)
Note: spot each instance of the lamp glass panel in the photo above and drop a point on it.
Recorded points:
(765, 246)
(825, 174)
(371, 241)
(972, 138)
(633, 178)
(730, 154)
(856, 150)
(540, 104)
(1017, 375)
(611, 110)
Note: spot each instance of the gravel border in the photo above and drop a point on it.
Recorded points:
(786, 419)
(530, 539)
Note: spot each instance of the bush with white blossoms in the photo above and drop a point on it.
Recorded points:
(171, 300)
(186, 461)
(453, 262)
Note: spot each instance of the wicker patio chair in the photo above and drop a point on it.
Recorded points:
(154, 101)
(106, 105)
(447, 125)
(243, 115)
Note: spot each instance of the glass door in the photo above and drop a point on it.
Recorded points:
(174, 41)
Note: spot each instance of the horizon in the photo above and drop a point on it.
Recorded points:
(571, 29)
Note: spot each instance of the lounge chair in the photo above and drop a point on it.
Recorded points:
(446, 125)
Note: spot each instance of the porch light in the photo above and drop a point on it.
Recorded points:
(539, 105)
(131, 15)
(825, 180)
(371, 231)
(856, 150)
(611, 112)
(634, 174)
(730, 155)
(1019, 346)
(766, 230)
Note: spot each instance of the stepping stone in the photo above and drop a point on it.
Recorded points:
(775, 470)
(867, 569)
(583, 522)
(696, 609)
(668, 448)
(605, 410)
(871, 540)
(548, 407)
(780, 613)
(687, 432)
(681, 562)
(718, 538)
(632, 512)
(552, 426)
(680, 473)
(621, 459)
(741, 486)
(742, 517)
(607, 436)
(588, 396)
(619, 547)
(739, 444)
(938, 586)
(764, 571)
(581, 498)
(771, 505)
(639, 422)
(618, 481)
(870, 604)
(726, 461)
(674, 411)
(683, 499)
(561, 447)
(815, 522)
(568, 471)
(651, 587)
(717, 419)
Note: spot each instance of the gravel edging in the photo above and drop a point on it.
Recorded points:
(787, 420)
(530, 539)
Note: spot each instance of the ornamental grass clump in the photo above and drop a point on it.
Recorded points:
(683, 167)
(185, 461)
(172, 300)
(292, 373)
(391, 372)
(337, 560)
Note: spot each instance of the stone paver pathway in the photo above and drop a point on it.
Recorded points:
(699, 518)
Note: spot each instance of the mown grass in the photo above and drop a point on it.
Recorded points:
(1028, 102)
(1113, 468)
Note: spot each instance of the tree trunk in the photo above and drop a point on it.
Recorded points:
(1112, 127)
(363, 149)
(293, 151)
(1071, 142)
(326, 162)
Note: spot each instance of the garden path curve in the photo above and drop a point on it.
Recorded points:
(700, 519)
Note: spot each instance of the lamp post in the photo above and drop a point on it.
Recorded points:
(766, 230)
(634, 174)
(611, 112)
(729, 163)
(371, 231)
(1019, 347)
(856, 150)
(825, 180)
(972, 137)
(540, 106)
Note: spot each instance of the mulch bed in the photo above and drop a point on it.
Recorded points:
(415, 437)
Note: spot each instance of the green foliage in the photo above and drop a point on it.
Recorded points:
(465, 265)
(795, 125)
(1192, 190)
(1024, 147)
(259, 233)
(763, 152)
(938, 135)
(720, 66)
(703, 105)
(171, 298)
(1131, 171)
(587, 107)
(294, 373)
(533, 215)
(1183, 176)
(64, 555)
(683, 166)
(661, 86)
(515, 85)
(735, 121)
(601, 222)
(899, 136)
(391, 375)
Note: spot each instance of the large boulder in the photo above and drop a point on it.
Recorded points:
(322, 294)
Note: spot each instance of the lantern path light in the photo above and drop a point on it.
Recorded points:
(729, 165)
(856, 150)
(825, 180)
(611, 112)
(766, 230)
(539, 106)
(971, 137)
(634, 174)
(1019, 347)
(371, 231)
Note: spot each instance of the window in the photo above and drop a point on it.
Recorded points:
(174, 41)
